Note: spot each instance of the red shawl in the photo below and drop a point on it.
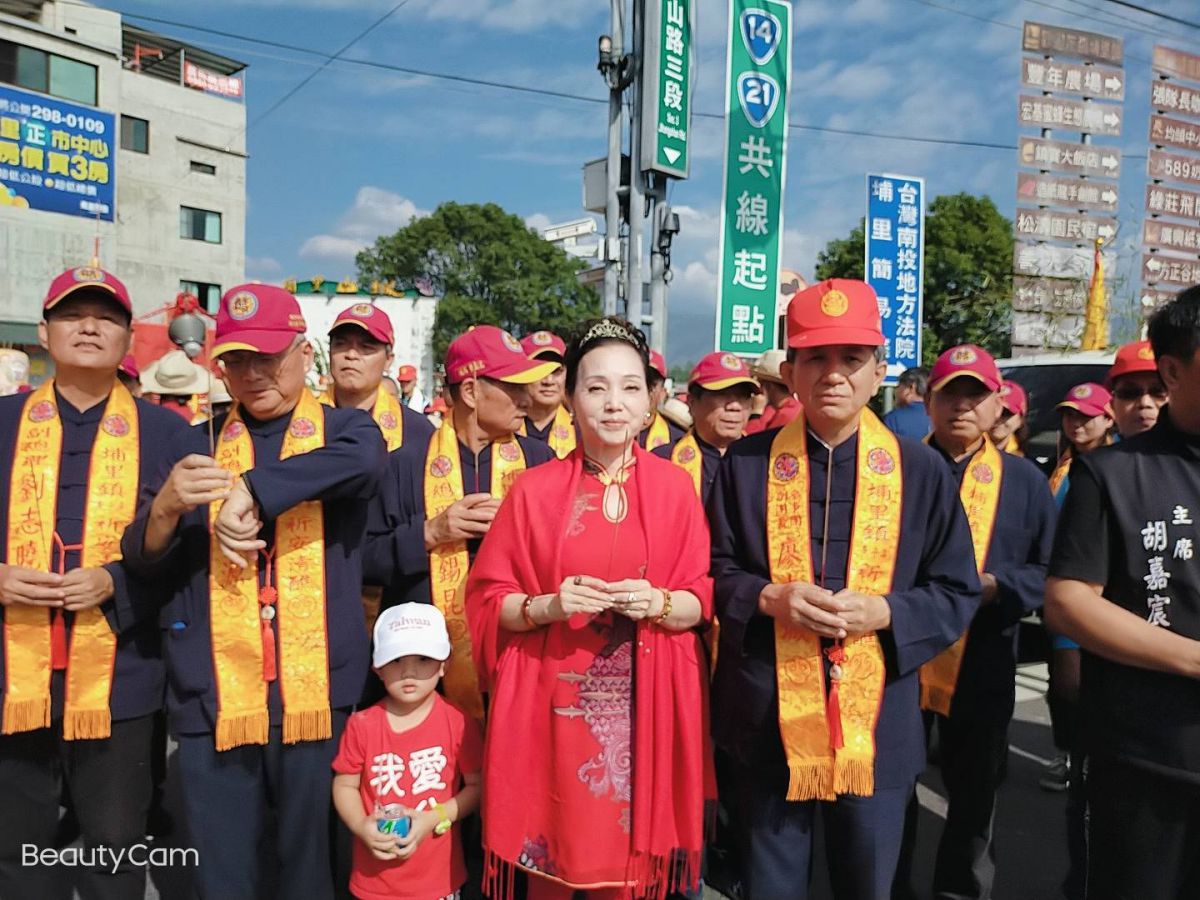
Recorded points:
(672, 762)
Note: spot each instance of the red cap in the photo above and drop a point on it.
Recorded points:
(1089, 398)
(717, 371)
(1135, 357)
(657, 363)
(407, 373)
(438, 406)
(969, 360)
(486, 351)
(835, 311)
(129, 366)
(259, 317)
(1014, 398)
(369, 317)
(85, 278)
(542, 344)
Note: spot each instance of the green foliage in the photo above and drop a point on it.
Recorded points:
(488, 267)
(968, 273)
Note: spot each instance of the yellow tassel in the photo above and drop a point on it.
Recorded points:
(307, 725)
(87, 724)
(855, 776)
(810, 781)
(247, 728)
(26, 715)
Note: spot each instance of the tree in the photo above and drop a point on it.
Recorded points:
(968, 273)
(488, 267)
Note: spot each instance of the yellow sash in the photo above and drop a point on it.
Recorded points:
(1012, 446)
(686, 454)
(819, 770)
(980, 496)
(448, 563)
(562, 433)
(298, 612)
(1060, 472)
(657, 432)
(386, 413)
(32, 514)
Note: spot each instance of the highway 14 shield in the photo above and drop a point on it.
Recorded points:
(760, 33)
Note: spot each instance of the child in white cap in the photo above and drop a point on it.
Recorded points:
(408, 767)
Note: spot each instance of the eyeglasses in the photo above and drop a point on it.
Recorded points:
(241, 360)
(1158, 392)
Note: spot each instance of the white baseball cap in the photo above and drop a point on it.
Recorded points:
(410, 629)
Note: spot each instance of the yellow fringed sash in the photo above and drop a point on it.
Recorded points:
(657, 432)
(686, 454)
(32, 515)
(386, 413)
(817, 771)
(980, 496)
(562, 433)
(303, 668)
(448, 563)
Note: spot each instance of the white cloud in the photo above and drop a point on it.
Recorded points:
(375, 212)
(259, 266)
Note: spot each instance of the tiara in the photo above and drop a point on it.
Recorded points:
(607, 328)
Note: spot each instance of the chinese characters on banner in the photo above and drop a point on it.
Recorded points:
(56, 156)
(1063, 202)
(895, 264)
(758, 73)
(225, 85)
(666, 86)
(1174, 123)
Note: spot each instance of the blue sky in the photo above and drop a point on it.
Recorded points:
(359, 151)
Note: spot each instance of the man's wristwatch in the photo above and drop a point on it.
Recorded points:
(444, 824)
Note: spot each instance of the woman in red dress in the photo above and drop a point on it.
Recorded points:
(585, 605)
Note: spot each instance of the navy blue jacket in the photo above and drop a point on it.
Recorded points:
(394, 554)
(137, 688)
(936, 592)
(342, 475)
(1017, 556)
(710, 461)
(909, 421)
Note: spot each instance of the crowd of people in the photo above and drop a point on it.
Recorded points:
(567, 635)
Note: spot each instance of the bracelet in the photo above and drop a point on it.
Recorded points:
(525, 613)
(666, 609)
(444, 821)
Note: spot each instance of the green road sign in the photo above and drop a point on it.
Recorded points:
(667, 86)
(758, 73)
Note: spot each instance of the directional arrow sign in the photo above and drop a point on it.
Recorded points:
(1056, 262)
(1047, 225)
(1174, 133)
(667, 86)
(1073, 193)
(1064, 156)
(1049, 40)
(1173, 167)
(1073, 115)
(1073, 78)
(1152, 299)
(1170, 236)
(1158, 269)
(1172, 97)
(1054, 295)
(1176, 63)
(1168, 201)
(1034, 329)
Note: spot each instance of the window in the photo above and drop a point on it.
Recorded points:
(135, 134)
(208, 294)
(199, 225)
(203, 168)
(47, 73)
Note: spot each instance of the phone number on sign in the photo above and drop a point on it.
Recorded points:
(71, 120)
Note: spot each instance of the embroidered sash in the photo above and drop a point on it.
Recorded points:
(242, 615)
(686, 454)
(448, 563)
(830, 740)
(1061, 469)
(32, 515)
(386, 413)
(657, 433)
(980, 496)
(562, 433)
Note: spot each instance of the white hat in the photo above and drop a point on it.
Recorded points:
(676, 412)
(174, 375)
(768, 366)
(219, 392)
(410, 629)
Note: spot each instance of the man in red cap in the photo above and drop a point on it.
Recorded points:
(130, 375)
(842, 562)
(660, 432)
(1138, 392)
(410, 394)
(421, 542)
(1014, 406)
(266, 649)
(720, 389)
(549, 420)
(970, 687)
(82, 673)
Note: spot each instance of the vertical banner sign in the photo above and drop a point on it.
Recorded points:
(758, 72)
(667, 86)
(895, 264)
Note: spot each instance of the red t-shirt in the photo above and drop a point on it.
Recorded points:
(415, 768)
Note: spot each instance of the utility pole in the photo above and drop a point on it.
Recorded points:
(611, 65)
(637, 198)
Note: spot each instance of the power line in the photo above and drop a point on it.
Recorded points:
(1153, 12)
